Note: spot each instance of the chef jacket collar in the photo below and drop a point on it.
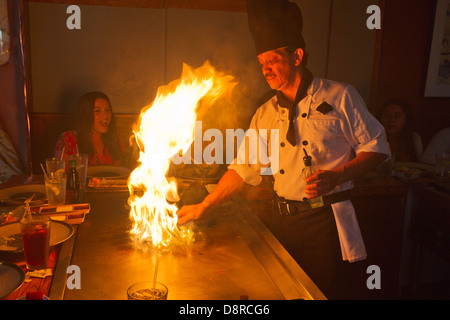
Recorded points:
(306, 79)
(302, 91)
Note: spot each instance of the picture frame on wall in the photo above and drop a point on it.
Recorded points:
(438, 74)
(4, 33)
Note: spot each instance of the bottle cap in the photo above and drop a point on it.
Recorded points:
(72, 163)
(307, 160)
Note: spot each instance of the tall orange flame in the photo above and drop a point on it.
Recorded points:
(164, 129)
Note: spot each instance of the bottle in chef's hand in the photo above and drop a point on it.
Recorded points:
(309, 171)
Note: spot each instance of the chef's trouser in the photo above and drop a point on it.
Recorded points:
(311, 238)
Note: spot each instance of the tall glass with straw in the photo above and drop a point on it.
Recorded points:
(35, 230)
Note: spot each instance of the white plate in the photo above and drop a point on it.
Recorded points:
(18, 194)
(107, 171)
(415, 165)
(411, 170)
(59, 232)
(11, 278)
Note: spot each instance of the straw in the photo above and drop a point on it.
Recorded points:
(27, 202)
(27, 207)
(155, 272)
(43, 170)
(62, 153)
(77, 150)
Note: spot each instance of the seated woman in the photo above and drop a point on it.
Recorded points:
(396, 117)
(96, 134)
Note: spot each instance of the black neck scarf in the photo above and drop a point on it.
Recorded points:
(307, 78)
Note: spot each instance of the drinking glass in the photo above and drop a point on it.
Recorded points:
(55, 187)
(442, 165)
(35, 230)
(82, 165)
(147, 290)
(55, 165)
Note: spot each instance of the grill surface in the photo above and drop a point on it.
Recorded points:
(234, 254)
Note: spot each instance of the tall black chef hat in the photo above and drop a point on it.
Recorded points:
(275, 24)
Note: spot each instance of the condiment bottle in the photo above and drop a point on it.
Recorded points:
(308, 171)
(73, 183)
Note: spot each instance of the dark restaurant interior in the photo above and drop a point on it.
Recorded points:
(128, 49)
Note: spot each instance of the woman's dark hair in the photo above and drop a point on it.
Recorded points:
(86, 122)
(406, 134)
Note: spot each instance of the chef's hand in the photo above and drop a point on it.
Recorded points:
(324, 181)
(226, 188)
(321, 183)
(190, 212)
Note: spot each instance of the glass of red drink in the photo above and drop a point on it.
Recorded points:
(35, 231)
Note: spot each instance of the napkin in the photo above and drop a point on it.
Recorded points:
(38, 274)
(350, 238)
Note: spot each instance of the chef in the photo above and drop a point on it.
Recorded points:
(323, 119)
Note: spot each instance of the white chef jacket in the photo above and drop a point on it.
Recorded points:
(331, 139)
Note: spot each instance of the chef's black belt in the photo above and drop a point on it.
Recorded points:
(289, 207)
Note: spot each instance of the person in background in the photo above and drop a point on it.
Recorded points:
(439, 143)
(9, 160)
(96, 134)
(397, 119)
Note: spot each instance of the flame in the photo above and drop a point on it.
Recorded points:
(166, 128)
